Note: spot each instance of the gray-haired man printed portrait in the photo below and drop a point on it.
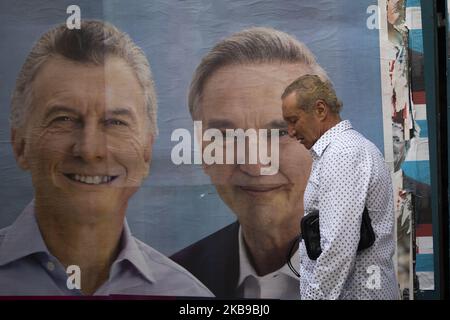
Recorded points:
(83, 122)
(238, 85)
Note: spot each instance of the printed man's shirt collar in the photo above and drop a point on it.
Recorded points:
(24, 238)
(131, 252)
(246, 269)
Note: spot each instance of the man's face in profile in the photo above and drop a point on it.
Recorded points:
(248, 97)
(86, 139)
(302, 125)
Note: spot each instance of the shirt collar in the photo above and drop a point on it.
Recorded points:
(319, 147)
(133, 254)
(22, 238)
(246, 269)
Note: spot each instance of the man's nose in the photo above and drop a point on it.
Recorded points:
(291, 131)
(252, 164)
(91, 143)
(253, 170)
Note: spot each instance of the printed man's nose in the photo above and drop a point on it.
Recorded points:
(91, 144)
(253, 170)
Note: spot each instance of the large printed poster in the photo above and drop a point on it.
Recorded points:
(183, 207)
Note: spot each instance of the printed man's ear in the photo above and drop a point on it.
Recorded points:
(18, 142)
(149, 148)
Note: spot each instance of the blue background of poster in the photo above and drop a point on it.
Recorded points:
(177, 205)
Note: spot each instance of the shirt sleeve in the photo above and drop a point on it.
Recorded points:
(344, 183)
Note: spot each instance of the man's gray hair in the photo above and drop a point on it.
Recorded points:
(91, 44)
(251, 46)
(309, 88)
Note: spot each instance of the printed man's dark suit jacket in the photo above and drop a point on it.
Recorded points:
(214, 260)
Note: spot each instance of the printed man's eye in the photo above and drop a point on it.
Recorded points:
(228, 135)
(115, 122)
(63, 119)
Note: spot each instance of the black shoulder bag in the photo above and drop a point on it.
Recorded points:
(311, 233)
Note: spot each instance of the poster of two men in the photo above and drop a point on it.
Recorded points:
(87, 120)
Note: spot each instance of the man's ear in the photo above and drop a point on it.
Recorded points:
(149, 148)
(18, 144)
(321, 109)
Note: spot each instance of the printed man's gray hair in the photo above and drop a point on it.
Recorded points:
(251, 46)
(92, 44)
(309, 88)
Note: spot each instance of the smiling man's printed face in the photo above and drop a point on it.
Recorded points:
(248, 97)
(86, 140)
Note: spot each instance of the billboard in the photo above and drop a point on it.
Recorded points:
(370, 51)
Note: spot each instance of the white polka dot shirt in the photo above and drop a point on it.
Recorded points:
(348, 174)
